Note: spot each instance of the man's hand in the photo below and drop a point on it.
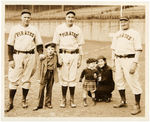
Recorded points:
(42, 57)
(79, 61)
(133, 68)
(99, 78)
(60, 61)
(95, 75)
(113, 66)
(12, 64)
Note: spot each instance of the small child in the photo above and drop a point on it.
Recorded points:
(90, 74)
(48, 74)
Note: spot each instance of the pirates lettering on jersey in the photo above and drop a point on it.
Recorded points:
(124, 35)
(70, 33)
(22, 33)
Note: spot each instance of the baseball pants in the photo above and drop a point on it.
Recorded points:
(23, 71)
(68, 71)
(123, 66)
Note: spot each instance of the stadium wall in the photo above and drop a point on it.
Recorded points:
(97, 30)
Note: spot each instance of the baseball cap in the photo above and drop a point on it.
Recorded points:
(124, 18)
(25, 11)
(72, 12)
(50, 44)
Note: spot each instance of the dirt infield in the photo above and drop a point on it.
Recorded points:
(102, 109)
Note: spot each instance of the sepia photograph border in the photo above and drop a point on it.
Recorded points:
(78, 2)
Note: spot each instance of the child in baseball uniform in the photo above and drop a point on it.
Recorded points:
(48, 74)
(90, 74)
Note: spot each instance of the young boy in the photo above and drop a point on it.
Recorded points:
(90, 73)
(48, 74)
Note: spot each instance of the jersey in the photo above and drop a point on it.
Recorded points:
(68, 37)
(126, 42)
(24, 38)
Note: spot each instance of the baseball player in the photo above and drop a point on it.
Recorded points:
(69, 40)
(22, 41)
(126, 48)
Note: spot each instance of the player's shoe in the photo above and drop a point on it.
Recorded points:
(9, 107)
(72, 104)
(136, 110)
(63, 103)
(120, 105)
(49, 106)
(24, 104)
(37, 108)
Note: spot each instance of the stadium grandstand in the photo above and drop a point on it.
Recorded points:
(12, 12)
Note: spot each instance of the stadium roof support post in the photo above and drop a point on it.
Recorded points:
(62, 8)
(32, 8)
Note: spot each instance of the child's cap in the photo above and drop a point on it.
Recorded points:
(50, 44)
(91, 60)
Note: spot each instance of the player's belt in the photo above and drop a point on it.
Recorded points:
(76, 51)
(125, 56)
(26, 52)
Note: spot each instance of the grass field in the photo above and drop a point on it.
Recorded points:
(102, 109)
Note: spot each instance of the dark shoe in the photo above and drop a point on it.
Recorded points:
(72, 104)
(136, 110)
(63, 103)
(49, 106)
(85, 102)
(36, 108)
(122, 104)
(10, 107)
(24, 104)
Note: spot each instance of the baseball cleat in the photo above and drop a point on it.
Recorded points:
(72, 104)
(63, 103)
(122, 104)
(136, 110)
(9, 108)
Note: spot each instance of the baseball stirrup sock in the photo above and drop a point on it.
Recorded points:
(64, 91)
(137, 98)
(72, 90)
(12, 95)
(122, 94)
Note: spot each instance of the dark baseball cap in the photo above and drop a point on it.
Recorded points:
(50, 44)
(25, 11)
(124, 18)
(70, 11)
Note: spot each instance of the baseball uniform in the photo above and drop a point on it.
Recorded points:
(68, 39)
